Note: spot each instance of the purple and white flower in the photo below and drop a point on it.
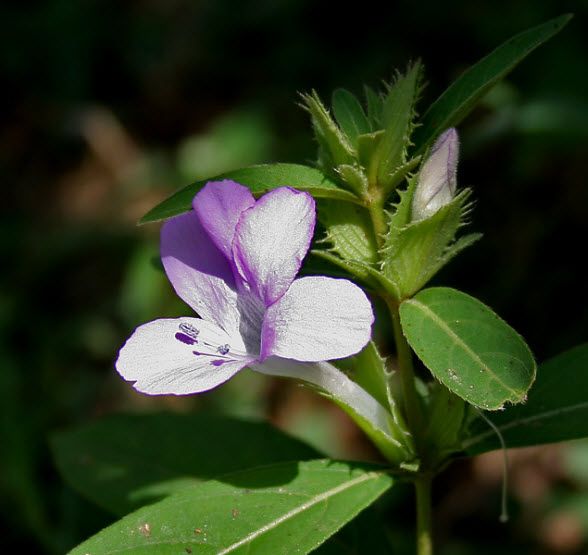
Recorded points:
(234, 260)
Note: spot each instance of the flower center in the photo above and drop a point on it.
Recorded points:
(188, 335)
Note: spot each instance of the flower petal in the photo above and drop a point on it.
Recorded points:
(318, 318)
(178, 356)
(199, 273)
(218, 206)
(271, 240)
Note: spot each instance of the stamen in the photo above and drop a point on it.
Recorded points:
(189, 330)
(223, 349)
(185, 339)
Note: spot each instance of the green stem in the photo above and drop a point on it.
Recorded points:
(411, 401)
(378, 222)
(424, 515)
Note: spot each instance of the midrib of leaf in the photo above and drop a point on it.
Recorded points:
(275, 523)
(441, 323)
(523, 421)
(305, 506)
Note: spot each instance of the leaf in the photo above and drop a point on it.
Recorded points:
(349, 230)
(370, 277)
(368, 369)
(125, 461)
(259, 179)
(464, 93)
(398, 115)
(367, 146)
(349, 114)
(414, 252)
(353, 176)
(468, 347)
(343, 268)
(445, 416)
(335, 148)
(374, 102)
(557, 409)
(282, 508)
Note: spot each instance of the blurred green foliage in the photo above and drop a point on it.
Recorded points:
(108, 107)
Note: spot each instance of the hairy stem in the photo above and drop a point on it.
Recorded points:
(378, 218)
(424, 515)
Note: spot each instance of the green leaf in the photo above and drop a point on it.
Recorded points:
(349, 230)
(414, 252)
(353, 176)
(398, 115)
(125, 461)
(349, 114)
(374, 103)
(368, 275)
(557, 408)
(367, 147)
(283, 508)
(464, 93)
(260, 179)
(468, 347)
(445, 416)
(335, 148)
(344, 268)
(368, 369)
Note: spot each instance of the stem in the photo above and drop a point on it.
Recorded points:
(424, 515)
(378, 221)
(411, 400)
(412, 406)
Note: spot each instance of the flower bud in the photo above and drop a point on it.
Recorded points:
(437, 178)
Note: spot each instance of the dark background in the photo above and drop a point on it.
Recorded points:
(110, 106)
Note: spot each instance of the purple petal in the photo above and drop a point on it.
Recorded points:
(317, 319)
(161, 363)
(198, 271)
(271, 241)
(218, 206)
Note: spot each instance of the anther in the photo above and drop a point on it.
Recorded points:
(223, 349)
(189, 330)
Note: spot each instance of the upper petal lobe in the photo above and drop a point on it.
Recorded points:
(271, 240)
(218, 206)
(198, 271)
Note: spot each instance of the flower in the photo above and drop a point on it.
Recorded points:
(234, 260)
(437, 179)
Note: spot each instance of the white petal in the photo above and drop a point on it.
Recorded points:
(318, 318)
(179, 356)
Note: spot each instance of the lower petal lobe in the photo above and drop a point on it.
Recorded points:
(317, 319)
(179, 356)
